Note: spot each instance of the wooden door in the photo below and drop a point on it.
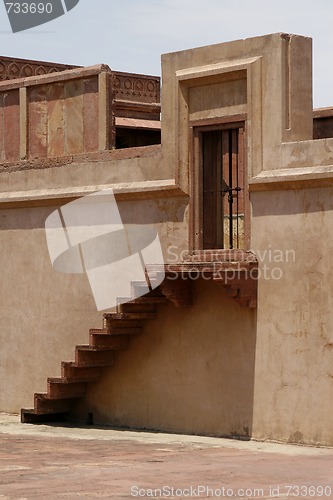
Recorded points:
(222, 180)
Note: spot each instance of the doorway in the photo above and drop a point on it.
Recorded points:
(221, 193)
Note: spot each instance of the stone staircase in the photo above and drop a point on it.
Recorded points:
(90, 360)
(235, 270)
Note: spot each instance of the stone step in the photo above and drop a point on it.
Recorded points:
(80, 373)
(129, 316)
(65, 388)
(158, 299)
(146, 306)
(43, 404)
(112, 322)
(105, 340)
(90, 356)
(28, 416)
(115, 330)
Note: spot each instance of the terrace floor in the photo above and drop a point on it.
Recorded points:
(67, 462)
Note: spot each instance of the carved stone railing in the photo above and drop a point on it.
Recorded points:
(137, 96)
(12, 68)
(134, 87)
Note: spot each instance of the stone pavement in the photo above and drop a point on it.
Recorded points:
(57, 462)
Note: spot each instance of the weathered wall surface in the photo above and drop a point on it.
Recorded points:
(47, 117)
(192, 370)
(101, 169)
(218, 100)
(63, 118)
(43, 313)
(292, 235)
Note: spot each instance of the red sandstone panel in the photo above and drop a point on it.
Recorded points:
(56, 126)
(11, 125)
(90, 114)
(38, 122)
(73, 108)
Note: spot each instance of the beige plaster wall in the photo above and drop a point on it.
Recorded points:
(192, 370)
(218, 100)
(43, 313)
(166, 216)
(78, 171)
(293, 397)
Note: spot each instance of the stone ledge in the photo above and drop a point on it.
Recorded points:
(230, 269)
(94, 157)
(215, 69)
(123, 191)
(293, 178)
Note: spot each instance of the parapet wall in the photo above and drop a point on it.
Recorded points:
(69, 112)
(55, 115)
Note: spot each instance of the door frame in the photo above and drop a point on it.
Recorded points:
(196, 183)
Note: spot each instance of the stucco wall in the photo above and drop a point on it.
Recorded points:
(191, 370)
(293, 398)
(43, 313)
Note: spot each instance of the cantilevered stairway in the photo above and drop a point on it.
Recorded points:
(91, 359)
(238, 276)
